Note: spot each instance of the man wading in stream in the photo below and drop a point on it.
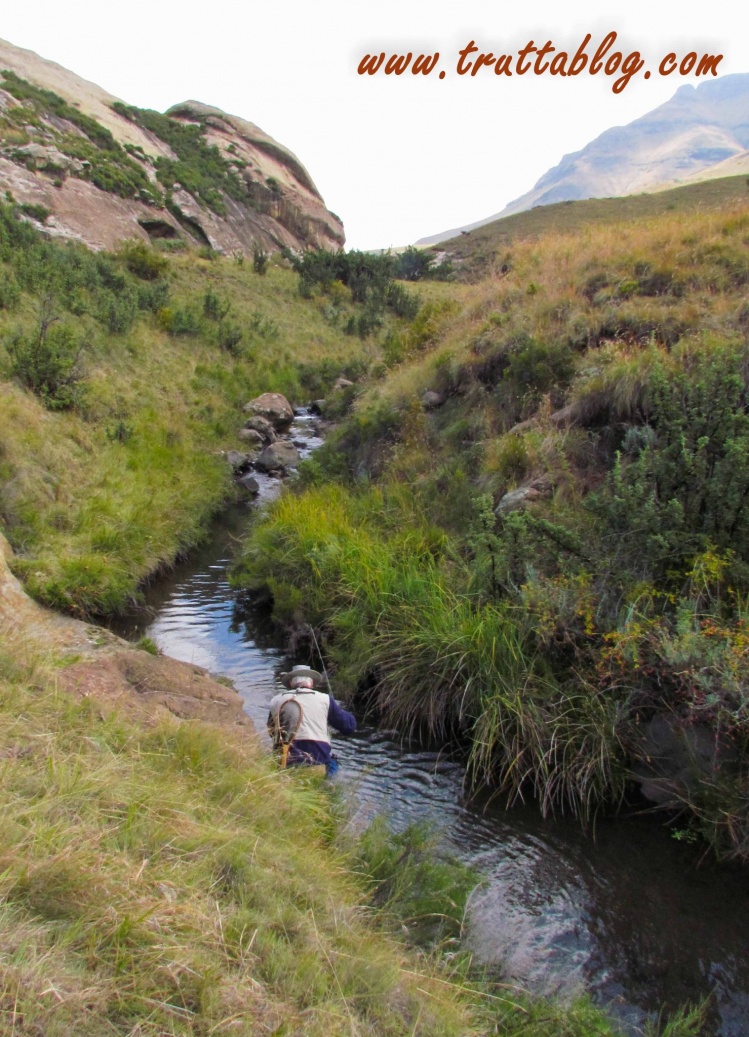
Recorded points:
(308, 740)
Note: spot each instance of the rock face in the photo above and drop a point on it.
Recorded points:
(272, 406)
(261, 195)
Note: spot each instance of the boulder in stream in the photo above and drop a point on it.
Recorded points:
(273, 406)
(278, 457)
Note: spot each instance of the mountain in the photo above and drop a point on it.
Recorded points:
(701, 133)
(91, 168)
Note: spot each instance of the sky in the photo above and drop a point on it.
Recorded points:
(396, 157)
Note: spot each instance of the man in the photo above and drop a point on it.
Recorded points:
(311, 743)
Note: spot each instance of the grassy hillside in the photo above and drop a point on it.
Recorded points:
(121, 380)
(551, 550)
(473, 251)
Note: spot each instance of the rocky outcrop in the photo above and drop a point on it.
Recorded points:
(540, 489)
(273, 202)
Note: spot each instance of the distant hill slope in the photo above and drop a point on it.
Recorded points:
(103, 171)
(473, 252)
(702, 132)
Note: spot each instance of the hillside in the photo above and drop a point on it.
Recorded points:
(90, 168)
(472, 252)
(700, 134)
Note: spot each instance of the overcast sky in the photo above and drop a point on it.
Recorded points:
(397, 158)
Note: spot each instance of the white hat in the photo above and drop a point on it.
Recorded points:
(300, 671)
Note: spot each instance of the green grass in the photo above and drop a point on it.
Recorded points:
(604, 372)
(401, 617)
(97, 497)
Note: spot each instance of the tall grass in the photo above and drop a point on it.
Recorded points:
(400, 619)
(169, 881)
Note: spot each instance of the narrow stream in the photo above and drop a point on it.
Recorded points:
(626, 912)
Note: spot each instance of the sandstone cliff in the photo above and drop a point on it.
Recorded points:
(89, 168)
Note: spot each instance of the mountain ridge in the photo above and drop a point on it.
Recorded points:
(693, 136)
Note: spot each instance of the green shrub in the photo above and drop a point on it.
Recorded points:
(259, 260)
(10, 293)
(143, 261)
(48, 362)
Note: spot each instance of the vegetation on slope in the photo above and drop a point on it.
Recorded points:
(101, 159)
(473, 251)
(604, 375)
(122, 379)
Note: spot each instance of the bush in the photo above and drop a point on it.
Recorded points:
(259, 260)
(48, 363)
(143, 261)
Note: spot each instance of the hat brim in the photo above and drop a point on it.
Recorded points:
(300, 671)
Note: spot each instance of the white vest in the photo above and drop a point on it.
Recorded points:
(315, 705)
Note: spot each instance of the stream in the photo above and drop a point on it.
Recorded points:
(625, 911)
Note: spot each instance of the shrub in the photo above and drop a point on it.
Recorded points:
(48, 362)
(214, 307)
(230, 336)
(10, 293)
(143, 261)
(259, 260)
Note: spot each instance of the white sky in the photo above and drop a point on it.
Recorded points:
(398, 158)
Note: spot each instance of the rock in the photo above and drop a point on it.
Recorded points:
(672, 758)
(249, 482)
(564, 417)
(278, 456)
(49, 158)
(263, 426)
(517, 499)
(539, 489)
(342, 383)
(300, 443)
(251, 437)
(522, 426)
(431, 400)
(273, 406)
(290, 214)
(239, 462)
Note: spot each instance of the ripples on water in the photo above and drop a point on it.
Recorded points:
(626, 914)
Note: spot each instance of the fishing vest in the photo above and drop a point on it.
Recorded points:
(315, 705)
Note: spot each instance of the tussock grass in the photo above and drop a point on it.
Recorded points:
(401, 618)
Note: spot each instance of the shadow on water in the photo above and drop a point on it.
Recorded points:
(624, 911)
